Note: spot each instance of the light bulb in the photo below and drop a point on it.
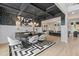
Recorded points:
(22, 18)
(18, 17)
(34, 23)
(31, 23)
(37, 24)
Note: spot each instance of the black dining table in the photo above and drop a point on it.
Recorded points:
(24, 37)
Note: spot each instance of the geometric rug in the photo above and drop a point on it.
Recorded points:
(33, 50)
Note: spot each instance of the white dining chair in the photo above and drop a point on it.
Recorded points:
(42, 37)
(33, 39)
(14, 42)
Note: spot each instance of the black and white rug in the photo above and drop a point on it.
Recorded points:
(33, 50)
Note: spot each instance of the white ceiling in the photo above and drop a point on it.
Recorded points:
(73, 15)
(73, 11)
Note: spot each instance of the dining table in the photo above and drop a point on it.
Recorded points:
(24, 37)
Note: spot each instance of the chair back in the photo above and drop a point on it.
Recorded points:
(13, 42)
(42, 37)
(34, 39)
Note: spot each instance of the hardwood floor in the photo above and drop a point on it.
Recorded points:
(63, 49)
(4, 50)
(59, 49)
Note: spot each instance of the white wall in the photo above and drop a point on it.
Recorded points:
(51, 24)
(8, 31)
(38, 29)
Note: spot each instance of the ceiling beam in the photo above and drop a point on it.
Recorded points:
(62, 7)
(22, 7)
(40, 9)
(7, 7)
(50, 8)
(14, 9)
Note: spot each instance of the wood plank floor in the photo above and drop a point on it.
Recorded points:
(63, 49)
(4, 50)
(59, 49)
